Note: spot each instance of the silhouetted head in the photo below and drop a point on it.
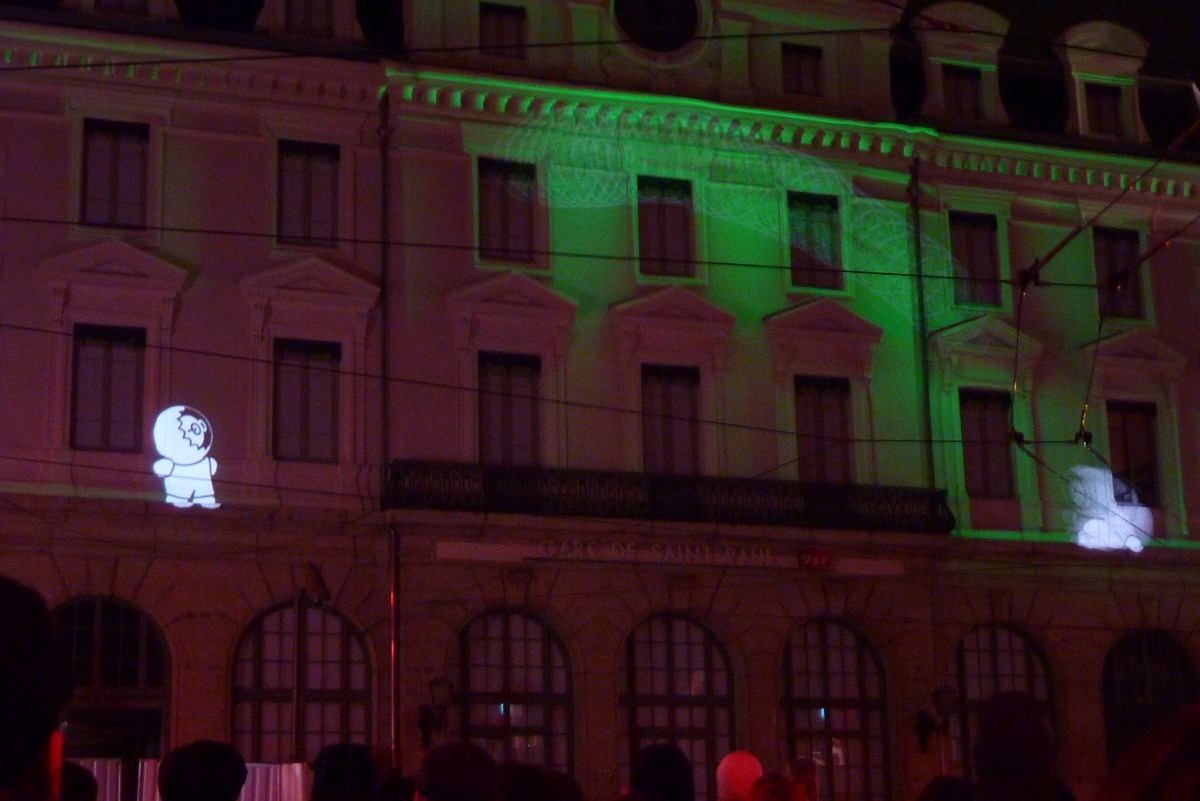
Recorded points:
(520, 781)
(458, 771)
(78, 783)
(35, 679)
(205, 770)
(772, 786)
(663, 771)
(343, 772)
(946, 788)
(1162, 764)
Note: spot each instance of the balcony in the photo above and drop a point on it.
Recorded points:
(700, 499)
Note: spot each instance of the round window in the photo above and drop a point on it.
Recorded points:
(658, 25)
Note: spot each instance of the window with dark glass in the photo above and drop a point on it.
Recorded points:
(801, 69)
(975, 251)
(962, 92)
(814, 231)
(1133, 452)
(670, 420)
(987, 453)
(1117, 253)
(301, 681)
(824, 447)
(665, 227)
(507, 203)
(106, 390)
(502, 30)
(836, 710)
(305, 424)
(119, 663)
(308, 189)
(309, 18)
(1103, 109)
(516, 690)
(677, 689)
(508, 408)
(1147, 676)
(115, 168)
(995, 659)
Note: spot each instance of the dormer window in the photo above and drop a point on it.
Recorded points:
(801, 69)
(1103, 102)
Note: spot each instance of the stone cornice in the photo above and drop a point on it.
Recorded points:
(162, 64)
(635, 115)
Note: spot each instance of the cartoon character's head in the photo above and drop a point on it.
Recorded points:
(182, 434)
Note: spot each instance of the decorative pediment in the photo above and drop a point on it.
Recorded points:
(672, 325)
(983, 349)
(972, 31)
(672, 309)
(822, 337)
(110, 275)
(1135, 359)
(309, 281)
(509, 310)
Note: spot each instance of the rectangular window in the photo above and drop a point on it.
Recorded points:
(106, 392)
(306, 400)
(507, 203)
(1133, 451)
(801, 66)
(665, 227)
(308, 189)
(814, 231)
(976, 254)
(987, 455)
(671, 420)
(502, 30)
(1117, 251)
(824, 449)
(115, 163)
(962, 92)
(508, 408)
(1103, 109)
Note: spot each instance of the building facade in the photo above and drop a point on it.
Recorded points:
(571, 376)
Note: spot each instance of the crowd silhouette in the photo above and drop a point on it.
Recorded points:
(1013, 753)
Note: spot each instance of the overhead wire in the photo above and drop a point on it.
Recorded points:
(1022, 280)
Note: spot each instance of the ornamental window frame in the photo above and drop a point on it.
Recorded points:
(1103, 53)
(672, 326)
(971, 41)
(109, 283)
(1135, 366)
(978, 353)
(982, 203)
(102, 108)
(822, 338)
(511, 312)
(308, 299)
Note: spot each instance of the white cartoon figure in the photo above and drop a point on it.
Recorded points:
(183, 437)
(1101, 521)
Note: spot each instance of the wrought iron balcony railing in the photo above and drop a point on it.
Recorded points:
(594, 493)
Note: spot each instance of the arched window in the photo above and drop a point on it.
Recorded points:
(516, 689)
(678, 690)
(120, 668)
(995, 659)
(301, 680)
(836, 711)
(1147, 676)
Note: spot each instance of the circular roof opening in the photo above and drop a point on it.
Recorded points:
(658, 25)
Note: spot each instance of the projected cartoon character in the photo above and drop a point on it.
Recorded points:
(1101, 521)
(183, 437)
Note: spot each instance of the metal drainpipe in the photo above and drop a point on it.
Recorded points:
(914, 191)
(385, 428)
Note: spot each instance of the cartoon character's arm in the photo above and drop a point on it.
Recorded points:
(163, 467)
(212, 466)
